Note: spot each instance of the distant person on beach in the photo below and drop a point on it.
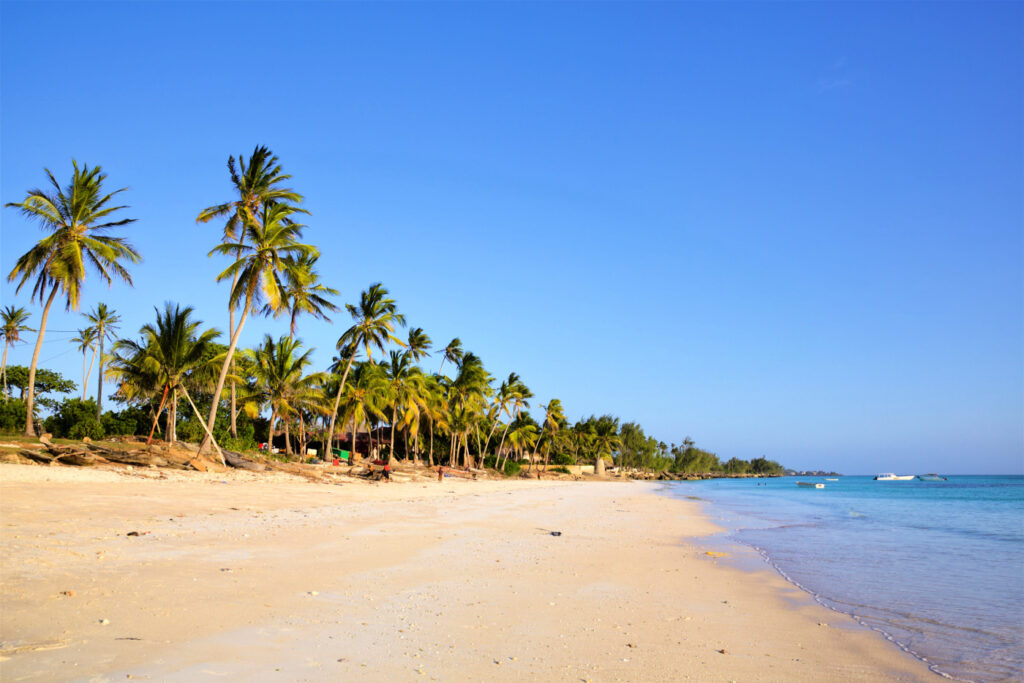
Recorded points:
(387, 472)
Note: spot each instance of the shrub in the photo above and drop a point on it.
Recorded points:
(560, 469)
(74, 419)
(12, 415)
(127, 422)
(512, 468)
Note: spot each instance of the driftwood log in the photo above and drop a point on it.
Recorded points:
(238, 461)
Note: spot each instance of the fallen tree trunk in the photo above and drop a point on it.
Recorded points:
(238, 461)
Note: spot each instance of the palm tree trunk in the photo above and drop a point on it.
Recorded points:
(287, 437)
(391, 447)
(85, 379)
(430, 456)
(352, 453)
(302, 436)
(30, 428)
(502, 444)
(234, 404)
(99, 378)
(215, 403)
(156, 418)
(89, 374)
(337, 398)
(172, 418)
(3, 367)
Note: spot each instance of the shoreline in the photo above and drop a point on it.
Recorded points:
(271, 579)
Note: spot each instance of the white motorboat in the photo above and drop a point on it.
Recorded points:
(889, 476)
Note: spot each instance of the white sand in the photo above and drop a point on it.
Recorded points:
(266, 578)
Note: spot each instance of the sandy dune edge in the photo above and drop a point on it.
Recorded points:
(248, 579)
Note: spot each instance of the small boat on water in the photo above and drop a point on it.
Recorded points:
(931, 477)
(810, 484)
(831, 479)
(889, 476)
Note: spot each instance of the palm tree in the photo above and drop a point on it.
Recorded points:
(434, 408)
(86, 341)
(374, 326)
(257, 183)
(76, 216)
(605, 440)
(105, 321)
(12, 324)
(405, 387)
(467, 400)
(520, 396)
(554, 417)
(174, 353)
(364, 398)
(419, 344)
(522, 438)
(303, 292)
(280, 382)
(256, 274)
(452, 352)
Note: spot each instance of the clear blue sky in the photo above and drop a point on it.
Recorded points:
(781, 229)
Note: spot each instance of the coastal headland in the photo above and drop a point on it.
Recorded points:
(268, 577)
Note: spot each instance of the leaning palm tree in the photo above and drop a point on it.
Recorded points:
(256, 274)
(374, 327)
(174, 352)
(86, 341)
(105, 321)
(12, 324)
(77, 217)
(452, 352)
(256, 184)
(303, 292)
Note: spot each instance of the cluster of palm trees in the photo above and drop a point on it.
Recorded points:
(375, 380)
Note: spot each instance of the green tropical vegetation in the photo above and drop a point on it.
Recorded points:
(176, 379)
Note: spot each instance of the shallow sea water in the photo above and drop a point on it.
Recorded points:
(936, 567)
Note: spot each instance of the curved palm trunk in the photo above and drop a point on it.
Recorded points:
(30, 428)
(99, 377)
(156, 418)
(287, 438)
(337, 398)
(215, 403)
(234, 399)
(270, 430)
(85, 378)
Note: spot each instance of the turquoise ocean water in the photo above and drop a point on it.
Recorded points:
(937, 567)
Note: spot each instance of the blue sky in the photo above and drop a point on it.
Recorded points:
(781, 229)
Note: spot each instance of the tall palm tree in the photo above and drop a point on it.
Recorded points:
(76, 216)
(404, 393)
(502, 401)
(418, 344)
(467, 400)
(452, 352)
(374, 321)
(303, 292)
(256, 274)
(174, 352)
(86, 341)
(281, 384)
(12, 324)
(605, 440)
(520, 396)
(554, 418)
(256, 184)
(364, 398)
(434, 408)
(105, 321)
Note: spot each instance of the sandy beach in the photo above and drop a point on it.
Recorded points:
(269, 578)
